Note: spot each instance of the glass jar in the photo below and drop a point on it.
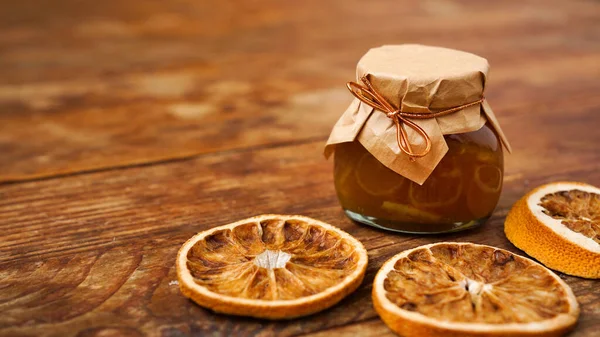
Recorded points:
(419, 149)
(461, 192)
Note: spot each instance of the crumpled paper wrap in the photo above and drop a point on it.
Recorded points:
(420, 79)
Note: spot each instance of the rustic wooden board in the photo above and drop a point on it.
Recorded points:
(106, 258)
(126, 127)
(85, 87)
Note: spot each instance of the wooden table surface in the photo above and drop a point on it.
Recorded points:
(128, 126)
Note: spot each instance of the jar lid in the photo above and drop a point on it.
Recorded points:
(417, 79)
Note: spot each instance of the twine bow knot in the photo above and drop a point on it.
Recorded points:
(367, 94)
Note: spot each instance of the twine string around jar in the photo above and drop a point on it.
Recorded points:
(367, 94)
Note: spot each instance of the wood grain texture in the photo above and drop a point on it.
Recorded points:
(88, 86)
(127, 127)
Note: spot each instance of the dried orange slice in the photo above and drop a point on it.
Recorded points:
(559, 225)
(464, 289)
(271, 266)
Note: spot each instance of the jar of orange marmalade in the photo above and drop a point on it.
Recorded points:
(419, 150)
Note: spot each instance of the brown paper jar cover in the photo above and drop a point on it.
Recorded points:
(417, 79)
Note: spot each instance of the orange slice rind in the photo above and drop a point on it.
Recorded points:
(559, 225)
(442, 189)
(375, 178)
(271, 266)
(492, 184)
(405, 212)
(464, 289)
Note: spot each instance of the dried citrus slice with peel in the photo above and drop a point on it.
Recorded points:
(559, 225)
(464, 289)
(271, 266)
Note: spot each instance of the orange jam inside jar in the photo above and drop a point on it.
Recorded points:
(461, 192)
